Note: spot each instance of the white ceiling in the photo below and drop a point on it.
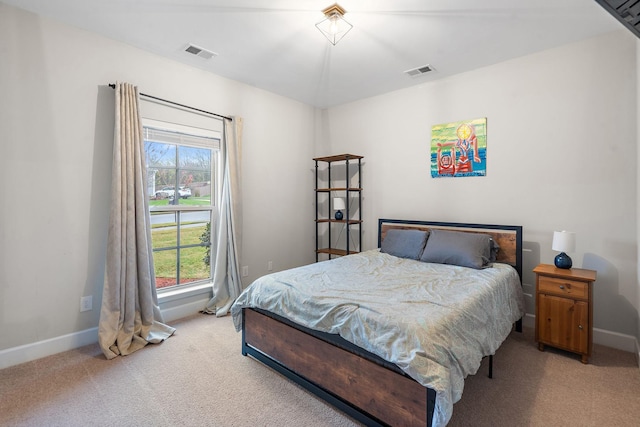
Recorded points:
(274, 44)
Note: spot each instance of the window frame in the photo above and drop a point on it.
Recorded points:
(216, 174)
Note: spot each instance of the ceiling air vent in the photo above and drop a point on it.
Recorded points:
(199, 51)
(419, 71)
(625, 11)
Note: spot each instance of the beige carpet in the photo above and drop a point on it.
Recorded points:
(199, 378)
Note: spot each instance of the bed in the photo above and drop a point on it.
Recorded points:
(385, 335)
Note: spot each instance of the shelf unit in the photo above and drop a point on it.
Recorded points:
(334, 179)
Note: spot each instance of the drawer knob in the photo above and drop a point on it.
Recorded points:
(580, 327)
(561, 286)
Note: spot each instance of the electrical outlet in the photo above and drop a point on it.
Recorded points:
(245, 271)
(86, 303)
(270, 265)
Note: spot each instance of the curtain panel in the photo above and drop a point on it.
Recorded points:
(130, 317)
(226, 276)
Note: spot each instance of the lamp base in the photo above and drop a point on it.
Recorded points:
(563, 260)
(339, 215)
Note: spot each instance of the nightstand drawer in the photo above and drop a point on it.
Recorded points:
(563, 287)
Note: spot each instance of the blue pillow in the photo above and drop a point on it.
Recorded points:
(404, 243)
(495, 247)
(474, 250)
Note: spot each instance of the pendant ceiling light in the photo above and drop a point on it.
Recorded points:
(334, 27)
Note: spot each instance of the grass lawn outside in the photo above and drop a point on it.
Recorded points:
(192, 266)
(191, 201)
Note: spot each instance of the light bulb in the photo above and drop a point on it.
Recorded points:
(333, 28)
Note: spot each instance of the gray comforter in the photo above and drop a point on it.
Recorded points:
(435, 322)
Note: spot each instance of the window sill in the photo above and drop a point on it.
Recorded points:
(185, 292)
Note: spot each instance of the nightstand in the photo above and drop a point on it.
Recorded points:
(564, 309)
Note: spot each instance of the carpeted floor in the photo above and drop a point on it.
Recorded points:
(551, 388)
(199, 378)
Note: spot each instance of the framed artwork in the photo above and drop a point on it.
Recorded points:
(459, 148)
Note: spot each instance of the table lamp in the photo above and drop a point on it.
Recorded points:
(563, 241)
(338, 205)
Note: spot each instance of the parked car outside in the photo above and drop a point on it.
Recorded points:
(184, 192)
(168, 192)
(165, 193)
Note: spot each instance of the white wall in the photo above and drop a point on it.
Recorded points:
(56, 138)
(562, 154)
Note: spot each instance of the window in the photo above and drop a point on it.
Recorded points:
(182, 173)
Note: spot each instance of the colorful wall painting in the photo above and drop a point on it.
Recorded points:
(459, 149)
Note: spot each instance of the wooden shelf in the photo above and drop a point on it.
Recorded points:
(338, 157)
(328, 190)
(343, 221)
(334, 251)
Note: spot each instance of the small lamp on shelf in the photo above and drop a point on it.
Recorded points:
(338, 205)
(563, 241)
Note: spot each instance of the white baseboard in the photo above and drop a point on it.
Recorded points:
(529, 321)
(28, 352)
(616, 340)
(37, 350)
(184, 310)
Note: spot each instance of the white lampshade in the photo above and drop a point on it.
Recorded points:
(338, 204)
(564, 241)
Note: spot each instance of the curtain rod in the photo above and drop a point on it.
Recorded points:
(113, 86)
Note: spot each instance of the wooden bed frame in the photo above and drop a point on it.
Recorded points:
(356, 382)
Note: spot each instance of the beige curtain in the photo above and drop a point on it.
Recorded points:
(130, 317)
(226, 275)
